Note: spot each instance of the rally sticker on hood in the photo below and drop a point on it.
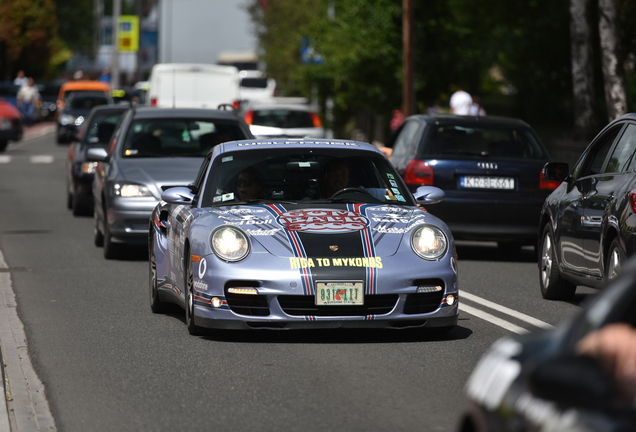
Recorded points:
(323, 221)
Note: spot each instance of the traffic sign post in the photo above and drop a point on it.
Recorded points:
(128, 34)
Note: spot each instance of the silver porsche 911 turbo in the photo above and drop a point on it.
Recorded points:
(300, 234)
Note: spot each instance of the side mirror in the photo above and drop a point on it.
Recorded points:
(573, 381)
(429, 195)
(96, 154)
(178, 195)
(556, 171)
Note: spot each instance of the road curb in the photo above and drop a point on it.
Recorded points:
(26, 408)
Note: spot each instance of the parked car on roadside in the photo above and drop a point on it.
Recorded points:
(489, 167)
(77, 107)
(11, 127)
(282, 118)
(95, 131)
(588, 224)
(151, 150)
(48, 100)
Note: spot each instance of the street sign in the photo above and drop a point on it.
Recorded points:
(128, 34)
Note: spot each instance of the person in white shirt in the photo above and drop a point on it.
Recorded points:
(20, 80)
(28, 97)
(460, 102)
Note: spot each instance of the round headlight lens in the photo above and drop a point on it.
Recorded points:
(429, 242)
(229, 244)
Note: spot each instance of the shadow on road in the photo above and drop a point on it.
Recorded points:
(488, 251)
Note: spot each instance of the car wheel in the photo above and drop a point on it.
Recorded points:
(111, 250)
(69, 199)
(193, 329)
(78, 208)
(98, 237)
(156, 305)
(614, 260)
(3, 145)
(553, 286)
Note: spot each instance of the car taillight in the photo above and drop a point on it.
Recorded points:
(419, 173)
(236, 104)
(249, 117)
(544, 183)
(632, 199)
(316, 120)
(153, 102)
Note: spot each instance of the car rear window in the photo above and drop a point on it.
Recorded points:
(282, 118)
(484, 142)
(254, 83)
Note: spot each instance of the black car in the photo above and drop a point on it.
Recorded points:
(545, 381)
(588, 224)
(77, 108)
(489, 167)
(95, 131)
(152, 149)
(48, 98)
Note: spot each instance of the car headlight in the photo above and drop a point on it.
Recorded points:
(429, 242)
(131, 190)
(89, 167)
(229, 243)
(66, 119)
(79, 121)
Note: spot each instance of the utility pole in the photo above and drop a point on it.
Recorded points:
(114, 68)
(408, 100)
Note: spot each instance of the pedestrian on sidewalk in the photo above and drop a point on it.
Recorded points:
(20, 80)
(460, 102)
(28, 97)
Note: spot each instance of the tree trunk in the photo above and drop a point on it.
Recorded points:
(585, 125)
(613, 74)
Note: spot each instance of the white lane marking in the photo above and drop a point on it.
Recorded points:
(5, 159)
(513, 313)
(41, 159)
(492, 319)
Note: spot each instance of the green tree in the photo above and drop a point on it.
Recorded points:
(28, 34)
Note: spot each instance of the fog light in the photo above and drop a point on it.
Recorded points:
(250, 291)
(216, 302)
(428, 289)
(450, 299)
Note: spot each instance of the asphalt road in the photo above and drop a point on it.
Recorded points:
(108, 364)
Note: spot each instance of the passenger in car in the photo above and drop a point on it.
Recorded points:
(250, 184)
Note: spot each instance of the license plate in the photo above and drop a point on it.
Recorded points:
(484, 182)
(339, 293)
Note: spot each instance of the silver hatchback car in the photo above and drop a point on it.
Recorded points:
(151, 150)
(282, 118)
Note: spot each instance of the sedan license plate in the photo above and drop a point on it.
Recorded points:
(484, 182)
(339, 293)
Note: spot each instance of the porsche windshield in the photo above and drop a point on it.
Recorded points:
(305, 175)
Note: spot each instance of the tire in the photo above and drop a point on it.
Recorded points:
(193, 329)
(553, 286)
(79, 207)
(615, 258)
(156, 305)
(69, 199)
(98, 237)
(3, 145)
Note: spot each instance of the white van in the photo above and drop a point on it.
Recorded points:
(186, 85)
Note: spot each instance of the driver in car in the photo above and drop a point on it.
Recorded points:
(334, 177)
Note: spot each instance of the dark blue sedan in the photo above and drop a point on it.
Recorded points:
(489, 167)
